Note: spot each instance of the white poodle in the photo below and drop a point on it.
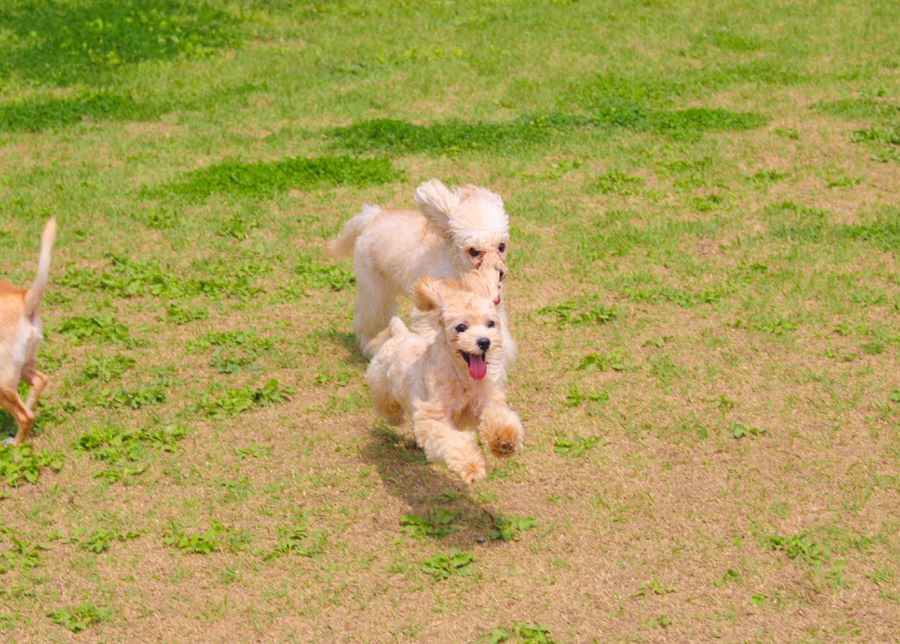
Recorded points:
(451, 380)
(453, 232)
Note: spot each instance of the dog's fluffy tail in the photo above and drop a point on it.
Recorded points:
(395, 328)
(33, 295)
(345, 242)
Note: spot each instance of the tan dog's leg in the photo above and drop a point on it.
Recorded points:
(11, 402)
(500, 429)
(37, 381)
(445, 444)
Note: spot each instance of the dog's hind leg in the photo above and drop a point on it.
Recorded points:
(376, 303)
(37, 381)
(10, 401)
(445, 444)
(386, 407)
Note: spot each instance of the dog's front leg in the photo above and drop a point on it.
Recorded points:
(443, 443)
(500, 428)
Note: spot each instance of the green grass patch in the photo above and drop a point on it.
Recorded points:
(583, 311)
(521, 632)
(106, 368)
(616, 182)
(311, 273)
(23, 555)
(454, 563)
(436, 523)
(114, 445)
(100, 329)
(36, 115)
(684, 299)
(128, 278)
(799, 546)
(509, 528)
(616, 360)
(81, 617)
(202, 543)
(575, 446)
(269, 178)
(232, 402)
(65, 43)
(101, 540)
(24, 463)
(869, 110)
(297, 540)
(525, 133)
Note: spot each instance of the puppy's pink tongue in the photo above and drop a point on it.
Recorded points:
(477, 366)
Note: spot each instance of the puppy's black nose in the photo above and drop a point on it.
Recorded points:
(484, 344)
(502, 273)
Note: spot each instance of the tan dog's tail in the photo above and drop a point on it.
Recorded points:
(395, 328)
(345, 242)
(33, 295)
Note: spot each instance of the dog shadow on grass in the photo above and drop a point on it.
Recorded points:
(444, 506)
(346, 341)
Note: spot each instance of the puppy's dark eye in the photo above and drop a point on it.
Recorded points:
(501, 247)
(474, 252)
(490, 324)
(460, 328)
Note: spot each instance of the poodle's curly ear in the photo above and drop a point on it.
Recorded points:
(437, 202)
(427, 293)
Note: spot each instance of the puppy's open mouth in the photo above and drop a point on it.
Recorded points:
(477, 364)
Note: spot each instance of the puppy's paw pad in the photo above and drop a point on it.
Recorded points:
(503, 448)
(505, 442)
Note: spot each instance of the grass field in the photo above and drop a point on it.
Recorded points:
(705, 207)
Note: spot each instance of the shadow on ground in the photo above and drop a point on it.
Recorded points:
(454, 518)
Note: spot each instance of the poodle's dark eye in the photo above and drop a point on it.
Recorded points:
(501, 247)
(490, 324)
(474, 252)
(460, 328)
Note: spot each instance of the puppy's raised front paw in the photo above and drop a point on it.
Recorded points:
(502, 431)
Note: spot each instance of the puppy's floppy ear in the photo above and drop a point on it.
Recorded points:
(437, 202)
(427, 293)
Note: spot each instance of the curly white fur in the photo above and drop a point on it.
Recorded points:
(436, 383)
(393, 248)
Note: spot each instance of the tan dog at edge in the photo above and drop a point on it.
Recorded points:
(20, 337)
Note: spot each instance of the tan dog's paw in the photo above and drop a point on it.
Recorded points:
(468, 462)
(473, 472)
(502, 432)
(506, 441)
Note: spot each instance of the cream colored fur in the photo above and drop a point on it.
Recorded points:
(429, 381)
(393, 248)
(21, 334)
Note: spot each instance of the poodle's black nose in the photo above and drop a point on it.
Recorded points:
(500, 270)
(484, 344)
